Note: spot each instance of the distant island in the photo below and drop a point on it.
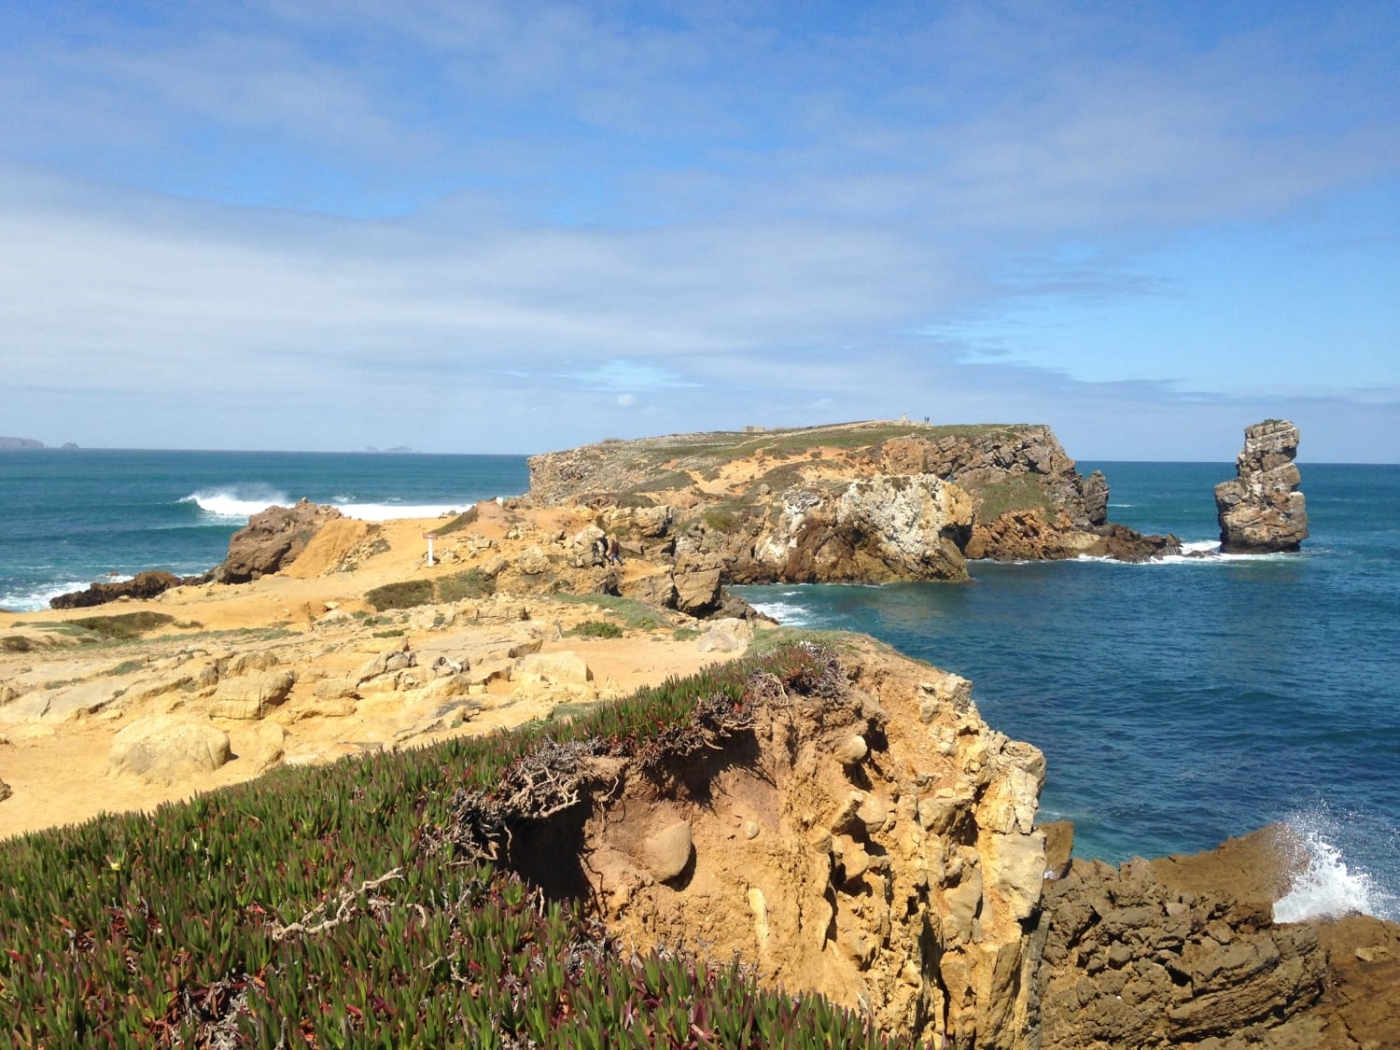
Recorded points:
(397, 450)
(8, 444)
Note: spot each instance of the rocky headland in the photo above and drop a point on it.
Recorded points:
(1261, 510)
(867, 835)
(861, 502)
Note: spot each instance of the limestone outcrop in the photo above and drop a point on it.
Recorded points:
(272, 538)
(861, 502)
(1261, 511)
(872, 839)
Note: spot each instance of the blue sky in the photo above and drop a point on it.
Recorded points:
(513, 227)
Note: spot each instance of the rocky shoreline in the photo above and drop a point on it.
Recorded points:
(873, 839)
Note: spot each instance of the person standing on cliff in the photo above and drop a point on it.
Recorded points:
(614, 551)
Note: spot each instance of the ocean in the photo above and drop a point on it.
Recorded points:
(1178, 703)
(69, 518)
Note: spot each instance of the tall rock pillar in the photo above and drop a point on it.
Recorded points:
(1261, 511)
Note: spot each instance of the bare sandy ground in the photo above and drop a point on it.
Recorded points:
(314, 621)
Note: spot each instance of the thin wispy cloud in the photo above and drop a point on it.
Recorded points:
(518, 226)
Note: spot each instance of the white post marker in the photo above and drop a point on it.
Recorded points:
(429, 537)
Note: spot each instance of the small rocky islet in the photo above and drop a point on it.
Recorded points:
(866, 835)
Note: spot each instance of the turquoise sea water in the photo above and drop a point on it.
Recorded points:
(1177, 703)
(68, 517)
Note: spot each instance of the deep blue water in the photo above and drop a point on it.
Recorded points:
(67, 517)
(1181, 703)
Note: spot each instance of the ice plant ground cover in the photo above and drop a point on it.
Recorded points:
(369, 903)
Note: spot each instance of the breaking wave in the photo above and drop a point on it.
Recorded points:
(1330, 886)
(236, 503)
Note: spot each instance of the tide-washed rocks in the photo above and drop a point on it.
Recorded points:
(1261, 511)
(272, 539)
(142, 585)
(1176, 952)
(163, 749)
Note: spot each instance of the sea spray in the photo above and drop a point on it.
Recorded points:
(236, 503)
(1328, 887)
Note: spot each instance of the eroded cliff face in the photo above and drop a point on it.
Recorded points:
(867, 502)
(1261, 511)
(873, 839)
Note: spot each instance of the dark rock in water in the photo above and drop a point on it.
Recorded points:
(142, 585)
(272, 539)
(1261, 511)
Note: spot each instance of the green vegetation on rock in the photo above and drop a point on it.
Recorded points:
(356, 905)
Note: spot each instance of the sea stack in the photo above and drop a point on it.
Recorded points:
(1262, 511)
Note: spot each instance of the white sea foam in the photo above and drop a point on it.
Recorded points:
(786, 613)
(236, 503)
(389, 511)
(1330, 886)
(239, 502)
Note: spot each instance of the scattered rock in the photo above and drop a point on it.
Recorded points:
(5, 791)
(1261, 511)
(163, 749)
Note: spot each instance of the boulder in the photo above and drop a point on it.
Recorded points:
(272, 539)
(162, 749)
(666, 853)
(5, 791)
(252, 696)
(558, 667)
(142, 585)
(263, 745)
(1261, 511)
(395, 659)
(729, 635)
(697, 592)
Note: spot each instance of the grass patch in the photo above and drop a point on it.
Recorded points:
(635, 615)
(460, 522)
(403, 595)
(1022, 492)
(123, 627)
(408, 594)
(685, 634)
(17, 643)
(125, 667)
(471, 583)
(392, 632)
(595, 629)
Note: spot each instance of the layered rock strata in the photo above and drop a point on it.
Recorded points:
(873, 839)
(867, 502)
(1261, 511)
